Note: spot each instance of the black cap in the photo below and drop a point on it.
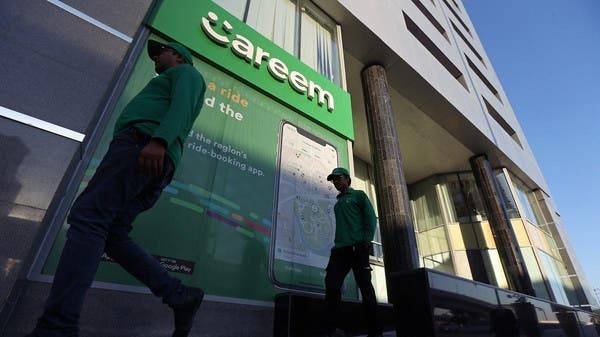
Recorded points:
(155, 48)
(338, 171)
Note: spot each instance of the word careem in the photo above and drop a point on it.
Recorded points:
(255, 55)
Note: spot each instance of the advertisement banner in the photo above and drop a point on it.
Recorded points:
(249, 206)
(221, 38)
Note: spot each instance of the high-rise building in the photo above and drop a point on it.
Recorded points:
(400, 92)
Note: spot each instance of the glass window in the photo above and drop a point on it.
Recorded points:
(276, 20)
(461, 210)
(472, 196)
(466, 200)
(523, 238)
(298, 27)
(525, 199)
(539, 285)
(426, 208)
(441, 262)
(552, 245)
(362, 180)
(476, 263)
(493, 268)
(235, 7)
(570, 290)
(509, 202)
(528, 208)
(446, 203)
(462, 267)
(377, 246)
(554, 278)
(318, 47)
(471, 235)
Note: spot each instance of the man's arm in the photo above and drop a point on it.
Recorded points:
(370, 218)
(185, 92)
(152, 156)
(186, 88)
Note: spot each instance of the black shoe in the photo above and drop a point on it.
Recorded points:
(185, 311)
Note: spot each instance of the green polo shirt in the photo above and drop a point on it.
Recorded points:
(355, 219)
(167, 107)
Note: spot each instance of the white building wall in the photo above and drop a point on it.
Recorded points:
(386, 20)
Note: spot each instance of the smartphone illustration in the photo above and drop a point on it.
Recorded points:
(304, 222)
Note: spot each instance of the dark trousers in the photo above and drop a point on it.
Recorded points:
(100, 221)
(341, 261)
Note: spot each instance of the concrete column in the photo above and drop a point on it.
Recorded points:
(397, 230)
(504, 235)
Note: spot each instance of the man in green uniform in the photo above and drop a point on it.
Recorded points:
(355, 222)
(140, 162)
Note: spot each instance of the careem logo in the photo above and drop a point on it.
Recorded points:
(255, 56)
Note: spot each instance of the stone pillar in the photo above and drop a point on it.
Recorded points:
(397, 230)
(504, 235)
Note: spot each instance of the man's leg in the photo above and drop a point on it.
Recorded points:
(75, 272)
(112, 186)
(184, 301)
(362, 274)
(133, 258)
(338, 267)
(139, 263)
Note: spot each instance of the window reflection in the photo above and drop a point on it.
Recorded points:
(452, 229)
(527, 202)
(551, 277)
(554, 278)
(461, 322)
(363, 180)
(535, 273)
(472, 197)
(455, 237)
(507, 198)
(432, 238)
(425, 202)
(465, 199)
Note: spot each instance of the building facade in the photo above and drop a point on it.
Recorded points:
(400, 92)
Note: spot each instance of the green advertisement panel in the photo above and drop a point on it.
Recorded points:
(221, 38)
(249, 209)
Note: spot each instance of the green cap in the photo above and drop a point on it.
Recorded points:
(338, 171)
(155, 48)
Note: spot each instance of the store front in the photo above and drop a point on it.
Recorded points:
(249, 211)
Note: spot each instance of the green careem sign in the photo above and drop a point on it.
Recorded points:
(221, 38)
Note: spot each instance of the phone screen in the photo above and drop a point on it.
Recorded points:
(304, 219)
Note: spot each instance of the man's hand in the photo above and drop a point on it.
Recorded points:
(150, 161)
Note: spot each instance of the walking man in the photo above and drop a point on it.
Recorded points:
(355, 226)
(146, 148)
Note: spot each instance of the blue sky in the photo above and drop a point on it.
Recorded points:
(547, 56)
